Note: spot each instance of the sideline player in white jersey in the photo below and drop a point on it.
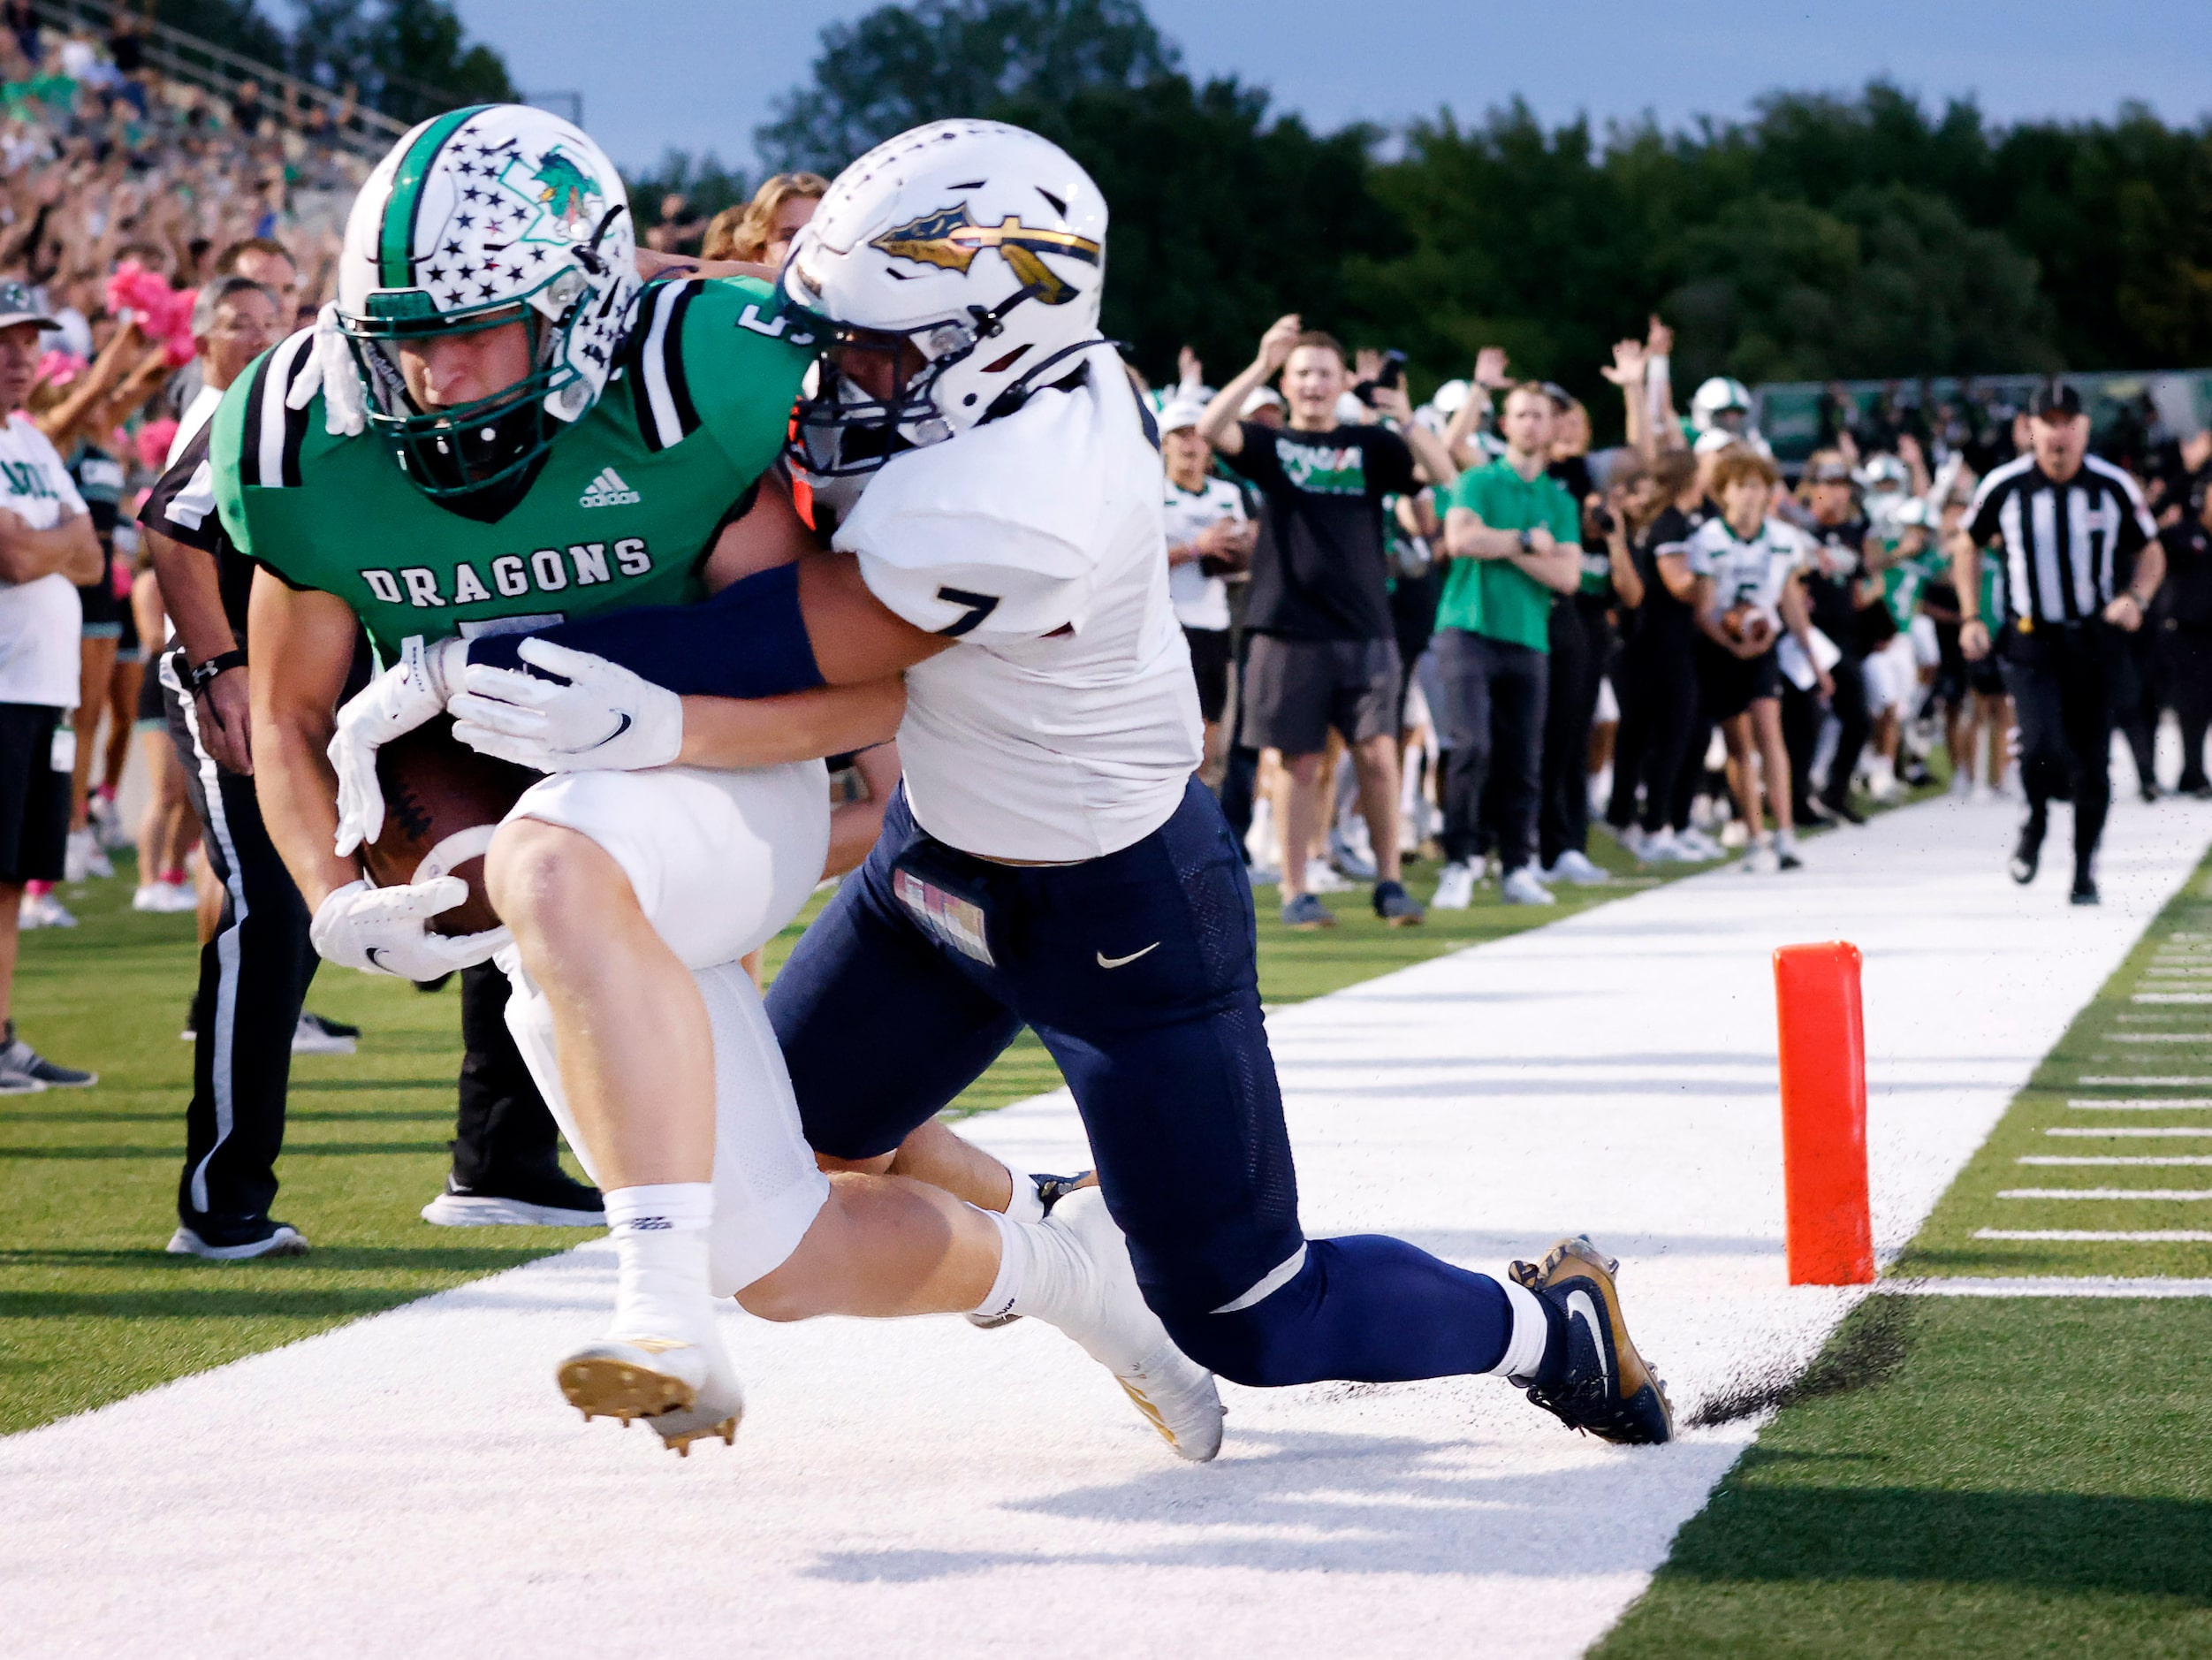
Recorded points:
(1751, 599)
(1050, 860)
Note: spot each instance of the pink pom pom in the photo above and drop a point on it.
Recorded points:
(59, 368)
(154, 439)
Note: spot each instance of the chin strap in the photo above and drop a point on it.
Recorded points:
(332, 370)
(1017, 394)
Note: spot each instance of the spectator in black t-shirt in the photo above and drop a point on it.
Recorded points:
(1324, 650)
(2186, 630)
(246, 109)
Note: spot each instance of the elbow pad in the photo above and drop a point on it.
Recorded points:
(747, 641)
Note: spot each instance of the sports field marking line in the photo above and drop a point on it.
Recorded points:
(2172, 1162)
(2050, 1285)
(2163, 1194)
(2132, 1130)
(2163, 1037)
(2091, 1236)
(2165, 997)
(2141, 1079)
(2180, 1103)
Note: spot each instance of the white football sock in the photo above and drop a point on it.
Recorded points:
(1014, 1255)
(1025, 1205)
(1531, 1331)
(660, 1242)
(1042, 1271)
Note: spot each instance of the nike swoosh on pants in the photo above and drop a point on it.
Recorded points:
(1105, 961)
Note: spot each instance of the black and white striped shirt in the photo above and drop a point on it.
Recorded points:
(2063, 543)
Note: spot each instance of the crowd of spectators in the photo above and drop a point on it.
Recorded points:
(1455, 632)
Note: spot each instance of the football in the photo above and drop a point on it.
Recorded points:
(441, 801)
(1747, 623)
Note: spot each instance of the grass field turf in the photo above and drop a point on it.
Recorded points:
(2016, 1477)
(92, 1310)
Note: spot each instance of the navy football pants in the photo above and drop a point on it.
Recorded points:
(1136, 970)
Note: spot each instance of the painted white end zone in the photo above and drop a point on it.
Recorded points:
(410, 1486)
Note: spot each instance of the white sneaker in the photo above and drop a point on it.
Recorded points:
(1352, 856)
(1521, 888)
(1981, 795)
(83, 858)
(1175, 1394)
(1454, 887)
(43, 910)
(1575, 866)
(1697, 848)
(1259, 840)
(1634, 842)
(282, 1240)
(166, 899)
(311, 1037)
(1321, 878)
(1762, 860)
(107, 824)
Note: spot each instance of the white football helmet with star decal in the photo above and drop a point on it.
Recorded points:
(480, 216)
(965, 259)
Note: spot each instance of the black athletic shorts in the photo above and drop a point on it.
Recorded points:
(1731, 684)
(1295, 691)
(34, 796)
(1210, 662)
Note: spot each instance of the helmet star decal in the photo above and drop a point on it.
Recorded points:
(950, 239)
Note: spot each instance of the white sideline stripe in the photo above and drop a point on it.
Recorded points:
(2163, 1194)
(410, 1484)
(2141, 1079)
(2147, 1105)
(2053, 1285)
(2171, 997)
(2176, 1161)
(2096, 1236)
(2163, 1037)
(2131, 1129)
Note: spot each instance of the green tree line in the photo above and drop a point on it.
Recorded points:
(1868, 235)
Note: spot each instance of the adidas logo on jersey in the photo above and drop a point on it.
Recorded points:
(607, 490)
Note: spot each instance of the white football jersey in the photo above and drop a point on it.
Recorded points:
(42, 619)
(1064, 724)
(1201, 601)
(1752, 572)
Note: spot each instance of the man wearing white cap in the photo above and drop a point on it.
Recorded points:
(1208, 536)
(47, 551)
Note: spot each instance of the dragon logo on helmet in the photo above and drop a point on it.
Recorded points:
(564, 194)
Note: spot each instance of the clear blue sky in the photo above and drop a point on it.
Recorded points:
(699, 74)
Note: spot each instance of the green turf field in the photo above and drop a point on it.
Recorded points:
(2017, 1477)
(90, 1307)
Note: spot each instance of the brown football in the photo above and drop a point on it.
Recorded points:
(1747, 623)
(441, 801)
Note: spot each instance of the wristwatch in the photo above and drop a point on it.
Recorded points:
(1528, 543)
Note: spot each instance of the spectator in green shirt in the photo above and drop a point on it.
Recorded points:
(1514, 537)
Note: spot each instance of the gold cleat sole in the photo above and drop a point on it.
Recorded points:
(603, 1387)
(726, 1429)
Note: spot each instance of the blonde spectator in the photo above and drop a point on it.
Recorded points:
(761, 231)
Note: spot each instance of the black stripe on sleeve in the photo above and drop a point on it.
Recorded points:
(249, 440)
(671, 356)
(295, 420)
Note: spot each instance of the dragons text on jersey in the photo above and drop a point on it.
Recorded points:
(628, 503)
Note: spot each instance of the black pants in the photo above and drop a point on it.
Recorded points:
(1661, 686)
(1493, 720)
(2137, 691)
(2061, 681)
(1582, 642)
(2187, 654)
(1849, 706)
(254, 977)
(504, 1134)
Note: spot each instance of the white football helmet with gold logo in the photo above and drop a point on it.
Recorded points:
(953, 268)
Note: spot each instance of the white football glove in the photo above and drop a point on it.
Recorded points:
(384, 931)
(604, 718)
(330, 369)
(411, 691)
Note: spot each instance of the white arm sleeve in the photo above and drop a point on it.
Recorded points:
(980, 580)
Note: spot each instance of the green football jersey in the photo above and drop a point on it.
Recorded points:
(623, 512)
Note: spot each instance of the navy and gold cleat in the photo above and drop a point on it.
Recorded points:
(1604, 1387)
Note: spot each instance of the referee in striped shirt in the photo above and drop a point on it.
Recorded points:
(2082, 561)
